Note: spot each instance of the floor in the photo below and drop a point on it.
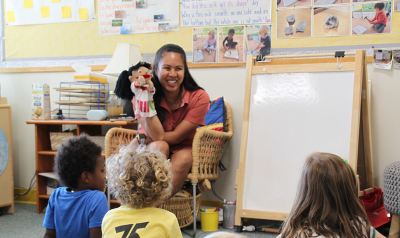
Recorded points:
(25, 222)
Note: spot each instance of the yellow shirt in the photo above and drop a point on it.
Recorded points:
(146, 222)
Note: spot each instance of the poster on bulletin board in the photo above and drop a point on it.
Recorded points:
(225, 12)
(137, 16)
(29, 12)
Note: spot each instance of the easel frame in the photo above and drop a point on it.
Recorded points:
(360, 138)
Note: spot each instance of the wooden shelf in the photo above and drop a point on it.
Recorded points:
(80, 122)
(45, 156)
(114, 201)
(49, 152)
(44, 196)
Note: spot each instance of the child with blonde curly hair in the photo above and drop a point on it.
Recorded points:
(140, 180)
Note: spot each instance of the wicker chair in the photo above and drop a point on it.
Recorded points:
(207, 149)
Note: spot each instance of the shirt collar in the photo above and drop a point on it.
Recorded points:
(185, 99)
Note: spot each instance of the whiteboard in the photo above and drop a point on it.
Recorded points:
(291, 116)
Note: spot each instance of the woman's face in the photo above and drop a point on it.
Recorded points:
(171, 71)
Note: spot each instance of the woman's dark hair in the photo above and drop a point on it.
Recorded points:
(123, 86)
(231, 31)
(75, 156)
(188, 82)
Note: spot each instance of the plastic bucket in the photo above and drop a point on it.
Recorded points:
(209, 221)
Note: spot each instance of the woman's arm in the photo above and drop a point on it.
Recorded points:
(181, 132)
(153, 127)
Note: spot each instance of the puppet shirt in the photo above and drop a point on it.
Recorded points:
(144, 103)
(146, 222)
(193, 108)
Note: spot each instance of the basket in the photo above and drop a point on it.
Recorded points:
(182, 207)
(57, 138)
(100, 141)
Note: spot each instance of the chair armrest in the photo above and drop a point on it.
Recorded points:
(117, 137)
(207, 149)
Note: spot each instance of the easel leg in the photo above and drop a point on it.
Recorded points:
(395, 227)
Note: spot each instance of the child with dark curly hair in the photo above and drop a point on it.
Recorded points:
(140, 180)
(77, 209)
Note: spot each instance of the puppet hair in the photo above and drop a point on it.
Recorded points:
(139, 179)
(123, 86)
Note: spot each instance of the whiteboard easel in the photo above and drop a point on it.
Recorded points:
(262, 199)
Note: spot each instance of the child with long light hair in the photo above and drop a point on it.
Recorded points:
(327, 203)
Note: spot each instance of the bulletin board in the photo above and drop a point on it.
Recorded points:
(83, 39)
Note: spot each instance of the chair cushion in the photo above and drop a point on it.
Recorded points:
(216, 116)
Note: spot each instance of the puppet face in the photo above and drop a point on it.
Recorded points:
(139, 72)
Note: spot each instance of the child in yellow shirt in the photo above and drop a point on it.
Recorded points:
(140, 180)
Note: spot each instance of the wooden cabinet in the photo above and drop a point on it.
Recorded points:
(45, 156)
(6, 158)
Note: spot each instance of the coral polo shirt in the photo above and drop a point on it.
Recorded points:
(193, 108)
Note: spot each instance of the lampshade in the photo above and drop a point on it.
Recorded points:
(125, 55)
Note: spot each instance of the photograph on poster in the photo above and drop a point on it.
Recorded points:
(396, 4)
(230, 44)
(330, 2)
(141, 4)
(119, 14)
(331, 21)
(258, 40)
(293, 23)
(125, 30)
(163, 27)
(382, 59)
(372, 18)
(159, 17)
(204, 45)
(396, 59)
(116, 23)
(291, 3)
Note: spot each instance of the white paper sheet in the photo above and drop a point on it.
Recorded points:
(198, 55)
(225, 12)
(359, 29)
(46, 11)
(379, 55)
(234, 54)
(154, 16)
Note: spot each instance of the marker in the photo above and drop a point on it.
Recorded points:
(216, 209)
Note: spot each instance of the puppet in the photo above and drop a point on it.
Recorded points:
(137, 82)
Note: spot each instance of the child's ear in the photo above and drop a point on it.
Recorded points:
(85, 176)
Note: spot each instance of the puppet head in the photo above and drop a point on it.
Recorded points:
(123, 86)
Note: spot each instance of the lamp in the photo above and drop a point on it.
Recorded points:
(125, 55)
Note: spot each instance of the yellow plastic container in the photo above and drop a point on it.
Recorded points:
(209, 221)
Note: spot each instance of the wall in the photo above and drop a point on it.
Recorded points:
(227, 82)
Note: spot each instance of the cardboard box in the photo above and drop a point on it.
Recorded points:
(90, 77)
(41, 102)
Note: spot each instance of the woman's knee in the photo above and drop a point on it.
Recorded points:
(183, 159)
(161, 146)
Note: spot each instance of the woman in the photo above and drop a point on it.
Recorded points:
(181, 107)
